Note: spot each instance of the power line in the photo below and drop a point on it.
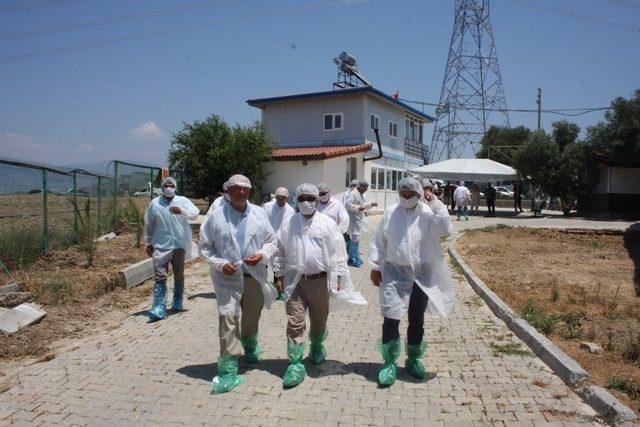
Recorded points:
(586, 18)
(21, 7)
(159, 33)
(107, 21)
(568, 112)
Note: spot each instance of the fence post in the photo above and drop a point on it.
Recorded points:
(98, 222)
(115, 191)
(75, 202)
(45, 190)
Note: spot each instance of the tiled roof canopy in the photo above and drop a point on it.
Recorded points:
(317, 153)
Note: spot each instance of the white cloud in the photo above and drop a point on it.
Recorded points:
(148, 131)
(24, 147)
(84, 148)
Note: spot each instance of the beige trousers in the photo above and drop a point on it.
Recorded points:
(309, 294)
(231, 328)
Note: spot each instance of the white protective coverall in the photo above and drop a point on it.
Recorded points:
(290, 259)
(336, 211)
(219, 246)
(352, 203)
(277, 214)
(406, 249)
(462, 196)
(217, 203)
(166, 231)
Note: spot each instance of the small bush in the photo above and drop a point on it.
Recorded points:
(628, 386)
(539, 318)
(54, 291)
(631, 349)
(87, 230)
(555, 292)
(134, 218)
(571, 325)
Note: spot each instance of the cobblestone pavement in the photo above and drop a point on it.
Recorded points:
(141, 373)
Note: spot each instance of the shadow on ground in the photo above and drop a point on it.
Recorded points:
(206, 295)
(277, 367)
(632, 244)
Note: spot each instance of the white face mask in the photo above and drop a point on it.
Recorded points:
(325, 199)
(307, 208)
(169, 191)
(409, 203)
(226, 196)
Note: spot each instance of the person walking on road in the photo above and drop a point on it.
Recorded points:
(238, 242)
(311, 268)
(356, 204)
(167, 235)
(408, 266)
(462, 198)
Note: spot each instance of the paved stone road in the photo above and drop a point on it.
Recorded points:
(159, 373)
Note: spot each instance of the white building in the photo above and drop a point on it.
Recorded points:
(328, 137)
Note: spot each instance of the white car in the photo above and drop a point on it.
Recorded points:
(504, 191)
(145, 192)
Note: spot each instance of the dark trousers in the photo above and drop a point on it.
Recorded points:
(518, 205)
(491, 205)
(417, 307)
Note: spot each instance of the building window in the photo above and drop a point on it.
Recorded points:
(380, 179)
(413, 129)
(373, 121)
(374, 179)
(333, 121)
(351, 171)
(393, 129)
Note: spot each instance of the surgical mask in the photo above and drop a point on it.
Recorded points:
(227, 197)
(325, 198)
(169, 191)
(409, 203)
(307, 208)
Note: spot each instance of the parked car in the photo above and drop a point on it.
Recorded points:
(79, 192)
(145, 192)
(504, 192)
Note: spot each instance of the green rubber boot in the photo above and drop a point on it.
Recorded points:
(296, 371)
(389, 371)
(227, 378)
(413, 364)
(317, 350)
(251, 349)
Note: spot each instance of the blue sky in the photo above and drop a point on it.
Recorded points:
(124, 100)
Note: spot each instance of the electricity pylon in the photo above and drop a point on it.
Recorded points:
(472, 96)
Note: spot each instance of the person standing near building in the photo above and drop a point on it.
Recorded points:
(517, 197)
(475, 199)
(221, 200)
(311, 269)
(167, 235)
(356, 204)
(352, 187)
(408, 266)
(462, 198)
(332, 207)
(238, 242)
(490, 194)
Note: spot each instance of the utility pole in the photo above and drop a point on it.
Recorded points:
(539, 102)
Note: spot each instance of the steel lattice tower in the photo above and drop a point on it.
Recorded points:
(472, 96)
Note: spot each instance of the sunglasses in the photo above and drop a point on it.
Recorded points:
(307, 198)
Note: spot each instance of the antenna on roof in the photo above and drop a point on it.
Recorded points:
(348, 74)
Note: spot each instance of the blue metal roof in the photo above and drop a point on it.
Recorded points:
(364, 89)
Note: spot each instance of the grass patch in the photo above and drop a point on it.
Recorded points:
(455, 265)
(474, 301)
(513, 349)
(627, 386)
(22, 247)
(539, 318)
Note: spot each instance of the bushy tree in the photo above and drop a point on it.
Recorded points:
(206, 153)
(499, 137)
(617, 139)
(565, 133)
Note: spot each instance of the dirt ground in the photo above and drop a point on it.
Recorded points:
(77, 298)
(578, 286)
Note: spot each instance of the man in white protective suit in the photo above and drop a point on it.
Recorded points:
(356, 204)
(167, 235)
(220, 201)
(277, 211)
(462, 196)
(409, 267)
(311, 268)
(238, 242)
(332, 207)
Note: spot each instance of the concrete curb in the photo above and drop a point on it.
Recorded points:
(565, 367)
(138, 273)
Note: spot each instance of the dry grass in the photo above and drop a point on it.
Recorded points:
(578, 287)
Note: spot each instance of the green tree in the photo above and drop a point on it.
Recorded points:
(494, 142)
(564, 133)
(537, 160)
(617, 139)
(206, 153)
